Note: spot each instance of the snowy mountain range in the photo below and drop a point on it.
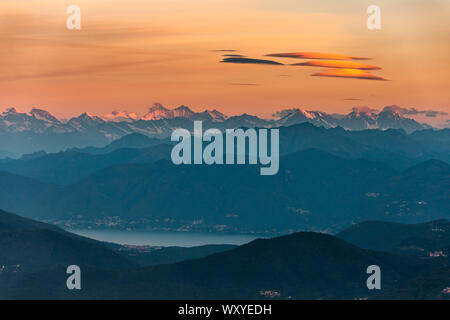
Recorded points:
(22, 132)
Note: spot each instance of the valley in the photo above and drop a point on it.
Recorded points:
(301, 265)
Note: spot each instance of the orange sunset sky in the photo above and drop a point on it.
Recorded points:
(132, 53)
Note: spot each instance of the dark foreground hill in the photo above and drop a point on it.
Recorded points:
(150, 256)
(298, 266)
(27, 247)
(434, 285)
(424, 239)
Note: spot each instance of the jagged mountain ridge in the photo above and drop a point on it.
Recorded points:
(358, 119)
(37, 130)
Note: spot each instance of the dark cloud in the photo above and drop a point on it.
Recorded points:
(433, 114)
(352, 99)
(225, 50)
(250, 61)
(414, 111)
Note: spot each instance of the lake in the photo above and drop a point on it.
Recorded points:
(164, 239)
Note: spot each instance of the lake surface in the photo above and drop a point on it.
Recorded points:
(164, 239)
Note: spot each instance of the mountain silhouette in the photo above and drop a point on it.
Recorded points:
(22, 133)
(313, 190)
(297, 266)
(422, 239)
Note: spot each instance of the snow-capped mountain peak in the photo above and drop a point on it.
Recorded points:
(363, 111)
(295, 115)
(89, 117)
(118, 123)
(10, 111)
(360, 118)
(392, 112)
(158, 112)
(307, 114)
(183, 112)
(84, 121)
(216, 115)
(119, 116)
(43, 115)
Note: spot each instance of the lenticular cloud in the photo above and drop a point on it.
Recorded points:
(347, 73)
(316, 55)
(337, 65)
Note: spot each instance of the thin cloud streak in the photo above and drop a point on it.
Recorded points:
(338, 64)
(316, 55)
(348, 73)
(245, 84)
(250, 61)
(75, 72)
